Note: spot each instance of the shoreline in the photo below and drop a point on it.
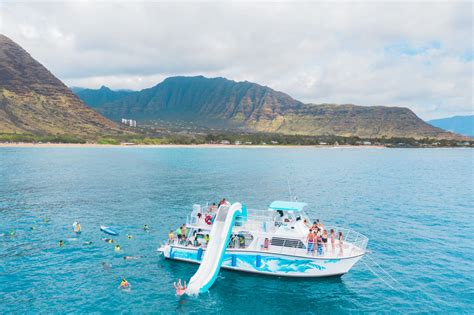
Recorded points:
(204, 146)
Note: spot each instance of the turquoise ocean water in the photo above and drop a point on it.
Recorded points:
(415, 205)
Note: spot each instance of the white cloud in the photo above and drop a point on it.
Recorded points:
(396, 53)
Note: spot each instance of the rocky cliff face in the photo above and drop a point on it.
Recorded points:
(219, 102)
(33, 100)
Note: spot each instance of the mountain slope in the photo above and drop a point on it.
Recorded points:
(32, 100)
(223, 103)
(463, 125)
(95, 98)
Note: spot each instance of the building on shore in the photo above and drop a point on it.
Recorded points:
(129, 122)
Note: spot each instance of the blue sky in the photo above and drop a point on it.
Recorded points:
(412, 54)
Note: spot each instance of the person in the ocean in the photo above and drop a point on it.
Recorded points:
(146, 227)
(87, 243)
(131, 257)
(76, 227)
(118, 248)
(61, 243)
(108, 240)
(106, 266)
(124, 284)
(180, 289)
(130, 236)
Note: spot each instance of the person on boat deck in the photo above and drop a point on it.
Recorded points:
(310, 238)
(170, 237)
(319, 242)
(333, 240)
(341, 243)
(241, 241)
(307, 223)
(184, 232)
(266, 243)
(206, 238)
(180, 289)
(319, 225)
(222, 202)
(325, 240)
(179, 233)
(199, 217)
(314, 227)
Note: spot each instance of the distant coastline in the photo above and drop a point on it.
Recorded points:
(217, 146)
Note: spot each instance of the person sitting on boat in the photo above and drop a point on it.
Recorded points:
(180, 289)
(222, 202)
(171, 237)
(206, 238)
(184, 231)
(199, 217)
(310, 238)
(307, 223)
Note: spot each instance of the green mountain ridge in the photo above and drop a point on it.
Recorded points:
(223, 103)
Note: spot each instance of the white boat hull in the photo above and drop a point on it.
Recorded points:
(269, 263)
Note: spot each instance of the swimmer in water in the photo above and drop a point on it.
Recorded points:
(61, 243)
(130, 236)
(146, 227)
(76, 226)
(118, 248)
(124, 284)
(108, 240)
(180, 289)
(106, 266)
(46, 220)
(131, 257)
(87, 243)
(33, 228)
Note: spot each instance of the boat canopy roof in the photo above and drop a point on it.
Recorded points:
(287, 205)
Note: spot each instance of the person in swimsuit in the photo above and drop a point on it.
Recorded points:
(310, 239)
(325, 240)
(341, 243)
(171, 237)
(180, 289)
(333, 240)
(319, 241)
(124, 284)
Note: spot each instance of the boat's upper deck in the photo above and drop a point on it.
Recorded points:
(284, 227)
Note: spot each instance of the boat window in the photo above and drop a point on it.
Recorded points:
(287, 242)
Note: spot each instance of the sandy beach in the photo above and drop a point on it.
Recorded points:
(206, 146)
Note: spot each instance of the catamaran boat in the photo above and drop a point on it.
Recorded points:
(272, 242)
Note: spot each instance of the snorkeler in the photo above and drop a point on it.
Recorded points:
(106, 266)
(131, 257)
(124, 284)
(180, 289)
(61, 243)
(87, 243)
(146, 227)
(118, 248)
(108, 240)
(130, 236)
